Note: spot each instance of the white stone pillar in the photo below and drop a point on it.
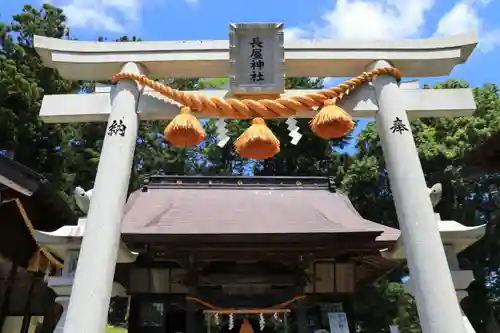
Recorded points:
(90, 296)
(436, 300)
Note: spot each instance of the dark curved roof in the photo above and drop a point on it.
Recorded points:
(45, 208)
(219, 206)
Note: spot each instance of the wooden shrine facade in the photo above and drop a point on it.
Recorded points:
(209, 243)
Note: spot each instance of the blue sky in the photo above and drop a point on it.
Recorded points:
(343, 19)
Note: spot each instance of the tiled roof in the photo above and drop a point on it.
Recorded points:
(245, 205)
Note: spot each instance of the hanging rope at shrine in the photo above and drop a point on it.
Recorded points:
(275, 307)
(258, 141)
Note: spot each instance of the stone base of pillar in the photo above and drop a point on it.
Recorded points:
(461, 279)
(62, 286)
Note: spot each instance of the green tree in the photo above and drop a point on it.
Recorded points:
(67, 154)
(23, 82)
(382, 304)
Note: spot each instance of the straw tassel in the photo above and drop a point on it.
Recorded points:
(331, 122)
(184, 130)
(257, 142)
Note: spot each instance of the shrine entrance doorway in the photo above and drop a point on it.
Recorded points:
(175, 321)
(157, 314)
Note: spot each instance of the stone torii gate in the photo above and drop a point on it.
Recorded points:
(385, 99)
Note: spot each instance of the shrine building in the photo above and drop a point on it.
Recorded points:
(214, 251)
(200, 253)
(28, 203)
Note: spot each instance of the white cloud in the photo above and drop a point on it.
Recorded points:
(484, 2)
(391, 19)
(365, 19)
(490, 40)
(461, 18)
(295, 33)
(192, 3)
(464, 17)
(106, 15)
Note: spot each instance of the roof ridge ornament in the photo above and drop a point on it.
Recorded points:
(252, 182)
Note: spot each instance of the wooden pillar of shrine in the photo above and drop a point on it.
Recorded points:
(191, 307)
(51, 318)
(301, 309)
(7, 294)
(25, 326)
(191, 282)
(301, 305)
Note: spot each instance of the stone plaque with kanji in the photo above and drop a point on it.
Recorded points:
(257, 58)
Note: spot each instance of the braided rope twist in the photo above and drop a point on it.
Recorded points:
(266, 108)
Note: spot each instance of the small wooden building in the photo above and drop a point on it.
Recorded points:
(222, 250)
(27, 202)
